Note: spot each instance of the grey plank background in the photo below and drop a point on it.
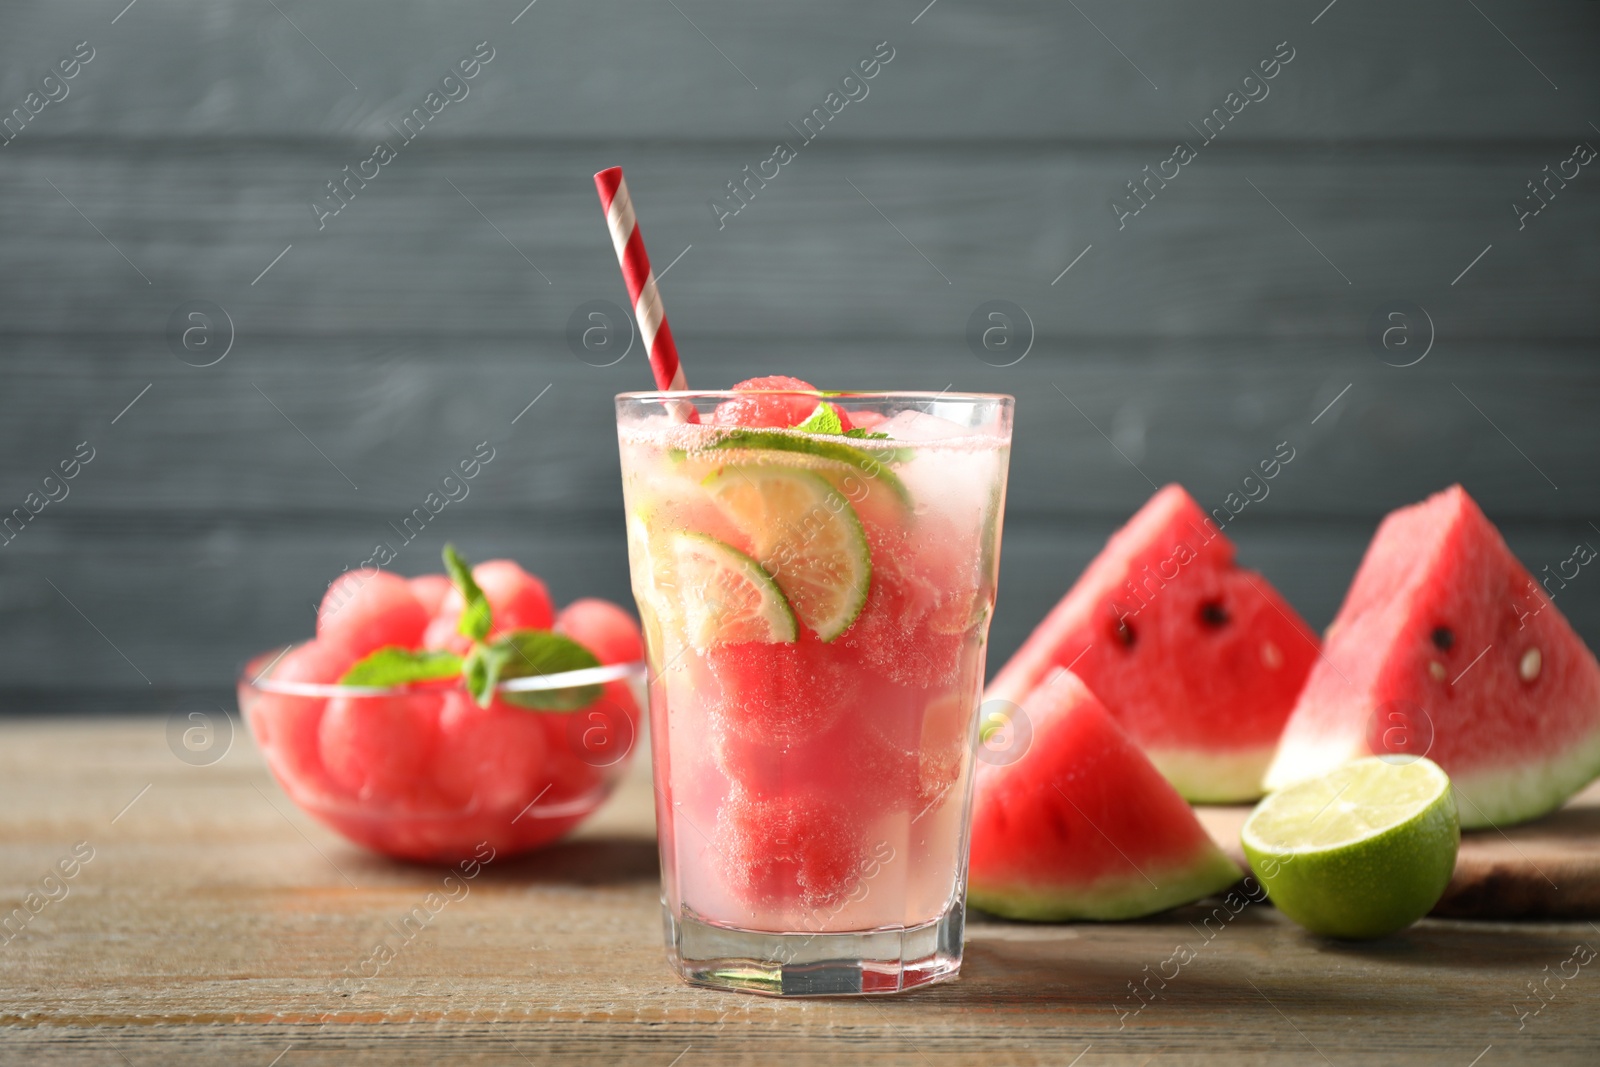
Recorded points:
(1221, 319)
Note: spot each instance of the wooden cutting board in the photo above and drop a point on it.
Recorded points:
(1545, 869)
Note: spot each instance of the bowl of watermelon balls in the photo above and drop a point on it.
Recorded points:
(433, 714)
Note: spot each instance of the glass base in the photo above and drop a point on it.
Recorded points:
(815, 965)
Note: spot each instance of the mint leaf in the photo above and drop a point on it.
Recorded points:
(393, 665)
(869, 435)
(475, 619)
(529, 653)
(823, 420)
(481, 672)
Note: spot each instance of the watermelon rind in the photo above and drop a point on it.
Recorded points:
(1214, 777)
(1499, 798)
(1486, 798)
(1112, 899)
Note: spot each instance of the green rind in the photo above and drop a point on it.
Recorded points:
(1112, 899)
(1498, 798)
(1216, 777)
(1516, 794)
(845, 514)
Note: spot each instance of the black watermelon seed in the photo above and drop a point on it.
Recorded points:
(1212, 613)
(1124, 632)
(1443, 638)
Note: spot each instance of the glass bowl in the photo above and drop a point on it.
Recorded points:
(420, 772)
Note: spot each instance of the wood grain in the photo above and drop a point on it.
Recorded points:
(214, 920)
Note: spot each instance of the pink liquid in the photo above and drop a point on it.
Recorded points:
(820, 786)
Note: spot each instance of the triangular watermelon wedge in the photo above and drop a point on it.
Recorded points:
(1197, 659)
(1083, 826)
(1447, 647)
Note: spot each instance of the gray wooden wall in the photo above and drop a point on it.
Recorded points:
(1224, 318)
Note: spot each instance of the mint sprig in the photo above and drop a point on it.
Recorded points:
(475, 619)
(393, 665)
(825, 419)
(530, 653)
(517, 654)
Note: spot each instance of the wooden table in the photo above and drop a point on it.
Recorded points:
(214, 920)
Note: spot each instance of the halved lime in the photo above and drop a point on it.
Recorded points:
(806, 535)
(727, 597)
(1360, 852)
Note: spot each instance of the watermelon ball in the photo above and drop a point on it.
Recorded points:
(431, 589)
(286, 726)
(442, 633)
(897, 636)
(568, 776)
(603, 628)
(801, 848)
(491, 758)
(366, 610)
(854, 763)
(583, 744)
(517, 600)
(925, 596)
(779, 692)
(769, 410)
(377, 748)
(866, 420)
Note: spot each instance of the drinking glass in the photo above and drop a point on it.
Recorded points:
(816, 607)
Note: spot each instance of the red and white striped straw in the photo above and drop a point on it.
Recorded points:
(640, 279)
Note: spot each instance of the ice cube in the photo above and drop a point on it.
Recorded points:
(920, 426)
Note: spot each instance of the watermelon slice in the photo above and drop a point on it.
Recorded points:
(1447, 647)
(1083, 826)
(1197, 659)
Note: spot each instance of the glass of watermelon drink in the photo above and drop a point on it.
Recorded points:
(816, 574)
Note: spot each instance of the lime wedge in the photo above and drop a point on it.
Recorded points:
(806, 535)
(1361, 852)
(727, 597)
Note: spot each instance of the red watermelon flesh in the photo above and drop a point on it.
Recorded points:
(1447, 647)
(803, 848)
(1083, 826)
(603, 628)
(1197, 659)
(488, 759)
(286, 725)
(365, 610)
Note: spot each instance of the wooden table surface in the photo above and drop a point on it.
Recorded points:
(214, 922)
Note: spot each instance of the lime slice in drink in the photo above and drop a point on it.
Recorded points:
(1363, 851)
(806, 535)
(833, 457)
(727, 597)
